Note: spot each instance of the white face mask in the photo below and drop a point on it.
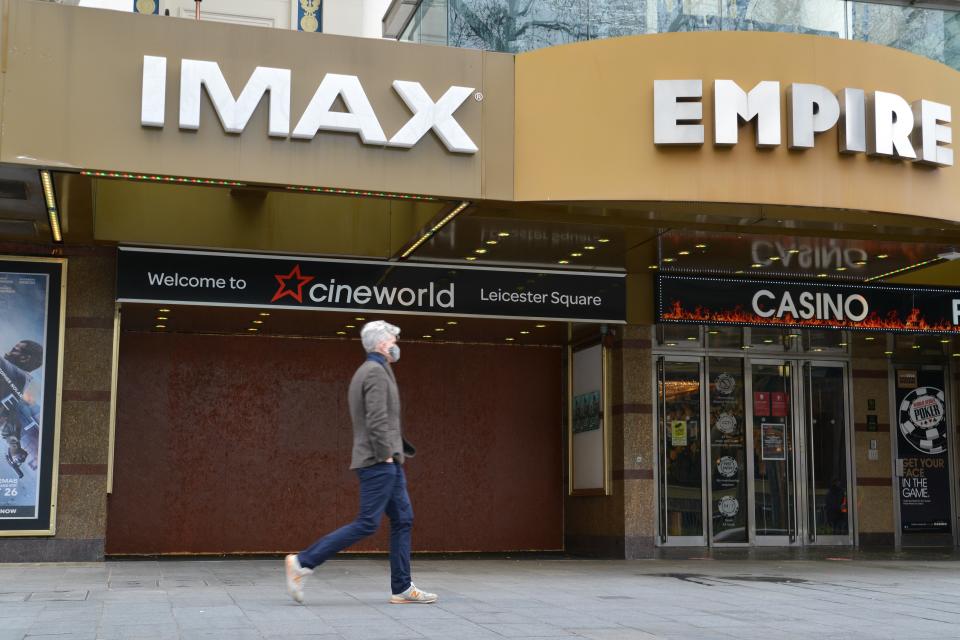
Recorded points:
(394, 352)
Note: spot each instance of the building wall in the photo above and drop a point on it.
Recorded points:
(81, 506)
(874, 482)
(242, 444)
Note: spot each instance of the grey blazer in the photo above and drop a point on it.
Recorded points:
(375, 412)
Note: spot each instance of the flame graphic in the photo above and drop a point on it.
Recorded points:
(892, 321)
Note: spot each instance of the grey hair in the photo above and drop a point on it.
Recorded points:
(373, 333)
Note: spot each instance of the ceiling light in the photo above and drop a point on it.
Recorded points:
(653, 266)
(774, 258)
(258, 322)
(713, 332)
(841, 268)
(160, 326)
(821, 275)
(480, 251)
(756, 265)
(669, 259)
(341, 333)
(161, 317)
(603, 240)
(540, 326)
(510, 339)
(701, 246)
(916, 346)
(860, 263)
(793, 335)
(264, 314)
(768, 341)
(842, 344)
(683, 253)
(953, 254)
(881, 256)
(164, 310)
(563, 262)
(738, 271)
(888, 353)
(504, 234)
(945, 341)
(51, 199)
(818, 349)
(439, 330)
(692, 338)
(471, 258)
(575, 255)
(252, 329)
(589, 247)
(491, 242)
(746, 346)
(351, 326)
(359, 319)
(956, 355)
(451, 322)
(524, 332)
(870, 338)
(671, 344)
(427, 336)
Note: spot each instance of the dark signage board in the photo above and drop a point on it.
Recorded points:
(31, 326)
(922, 428)
(264, 281)
(810, 304)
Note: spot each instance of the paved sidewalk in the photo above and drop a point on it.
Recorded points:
(487, 599)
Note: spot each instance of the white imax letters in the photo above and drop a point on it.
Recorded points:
(878, 123)
(359, 118)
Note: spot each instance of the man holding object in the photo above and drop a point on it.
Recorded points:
(378, 454)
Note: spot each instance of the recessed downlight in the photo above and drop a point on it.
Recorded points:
(563, 262)
(451, 322)
(504, 234)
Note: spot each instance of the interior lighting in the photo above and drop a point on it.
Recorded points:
(51, 199)
(359, 319)
(768, 341)
(818, 349)
(435, 228)
(794, 251)
(774, 258)
(603, 240)
(756, 265)
(746, 346)
(341, 333)
(870, 338)
(821, 275)
(945, 341)
(713, 332)
(253, 329)
(524, 332)
(367, 194)
(510, 339)
(916, 346)
(907, 268)
(451, 322)
(793, 335)
(860, 263)
(427, 336)
(841, 268)
(669, 259)
(701, 246)
(480, 251)
(575, 255)
(841, 344)
(738, 271)
(956, 355)
(491, 242)
(160, 326)
(161, 318)
(258, 322)
(671, 344)
(692, 338)
(439, 330)
(471, 258)
(888, 353)
(563, 262)
(540, 326)
(164, 310)
(653, 266)
(589, 247)
(683, 253)
(504, 234)
(148, 177)
(881, 256)
(264, 314)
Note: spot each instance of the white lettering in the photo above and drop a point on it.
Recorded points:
(731, 104)
(929, 130)
(428, 115)
(756, 306)
(359, 118)
(677, 112)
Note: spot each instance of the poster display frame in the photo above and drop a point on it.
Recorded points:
(606, 485)
(48, 473)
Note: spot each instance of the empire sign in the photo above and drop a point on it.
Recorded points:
(877, 123)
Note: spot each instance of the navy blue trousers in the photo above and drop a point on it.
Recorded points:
(383, 489)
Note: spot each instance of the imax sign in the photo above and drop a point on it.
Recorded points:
(359, 117)
(877, 123)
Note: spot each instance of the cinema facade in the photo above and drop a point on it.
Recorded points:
(694, 290)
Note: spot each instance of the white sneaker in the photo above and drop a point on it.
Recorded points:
(413, 596)
(295, 575)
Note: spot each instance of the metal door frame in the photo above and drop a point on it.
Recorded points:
(809, 531)
(662, 538)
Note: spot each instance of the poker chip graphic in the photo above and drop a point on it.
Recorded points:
(923, 420)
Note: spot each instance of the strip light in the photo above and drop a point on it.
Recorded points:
(51, 199)
(907, 268)
(366, 194)
(434, 229)
(148, 177)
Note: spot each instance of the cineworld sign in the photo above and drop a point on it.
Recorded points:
(878, 123)
(359, 117)
(714, 300)
(290, 282)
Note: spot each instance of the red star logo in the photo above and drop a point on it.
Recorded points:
(287, 289)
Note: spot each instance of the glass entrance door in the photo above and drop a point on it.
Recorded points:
(680, 445)
(775, 494)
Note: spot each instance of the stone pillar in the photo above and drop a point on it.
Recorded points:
(81, 504)
(873, 483)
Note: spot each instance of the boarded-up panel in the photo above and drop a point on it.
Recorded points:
(241, 444)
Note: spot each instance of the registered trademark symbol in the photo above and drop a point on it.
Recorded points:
(478, 96)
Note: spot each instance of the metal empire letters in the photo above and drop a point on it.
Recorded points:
(878, 123)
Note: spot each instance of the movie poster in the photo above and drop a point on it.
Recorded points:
(30, 310)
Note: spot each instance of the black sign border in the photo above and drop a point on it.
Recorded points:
(658, 302)
(369, 263)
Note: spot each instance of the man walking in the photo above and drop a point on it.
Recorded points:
(378, 454)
